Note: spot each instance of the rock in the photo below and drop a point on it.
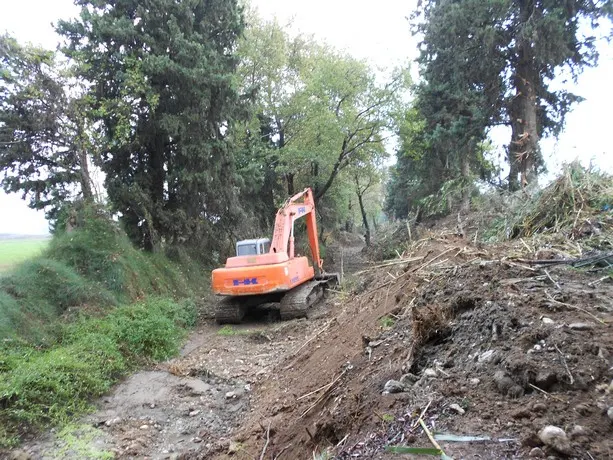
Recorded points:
(546, 320)
(234, 447)
(583, 409)
(393, 386)
(555, 438)
(456, 408)
(486, 357)
(578, 431)
(539, 407)
(409, 379)
(429, 373)
(230, 395)
(194, 413)
(537, 452)
(610, 413)
(581, 326)
(475, 382)
(546, 379)
(506, 385)
(144, 427)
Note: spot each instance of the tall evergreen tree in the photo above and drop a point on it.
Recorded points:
(45, 140)
(493, 61)
(162, 76)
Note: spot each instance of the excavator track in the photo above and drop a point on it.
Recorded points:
(296, 303)
(230, 311)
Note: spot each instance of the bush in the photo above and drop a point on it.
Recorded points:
(40, 387)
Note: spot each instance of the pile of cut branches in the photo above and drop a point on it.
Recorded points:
(578, 204)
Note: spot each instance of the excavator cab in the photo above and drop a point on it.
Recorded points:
(253, 247)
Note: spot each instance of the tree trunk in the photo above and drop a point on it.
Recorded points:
(524, 148)
(364, 220)
(349, 221)
(86, 181)
(465, 171)
(290, 184)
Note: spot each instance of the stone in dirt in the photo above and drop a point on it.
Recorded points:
(429, 373)
(506, 385)
(610, 413)
(409, 379)
(537, 452)
(546, 320)
(456, 408)
(393, 386)
(555, 437)
(486, 357)
(578, 431)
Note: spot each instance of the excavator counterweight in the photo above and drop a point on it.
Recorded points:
(278, 279)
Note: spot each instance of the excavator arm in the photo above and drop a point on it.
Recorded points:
(300, 205)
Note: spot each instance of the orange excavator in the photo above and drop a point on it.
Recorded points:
(268, 275)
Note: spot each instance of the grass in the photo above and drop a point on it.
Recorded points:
(41, 387)
(14, 251)
(85, 311)
(386, 322)
(94, 267)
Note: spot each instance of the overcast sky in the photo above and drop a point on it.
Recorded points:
(377, 32)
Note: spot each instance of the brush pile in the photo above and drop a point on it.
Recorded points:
(577, 204)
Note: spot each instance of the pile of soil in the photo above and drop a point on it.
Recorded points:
(459, 334)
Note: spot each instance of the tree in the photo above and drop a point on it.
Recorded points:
(45, 140)
(162, 84)
(501, 56)
(317, 109)
(365, 177)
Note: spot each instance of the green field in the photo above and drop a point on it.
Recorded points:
(13, 251)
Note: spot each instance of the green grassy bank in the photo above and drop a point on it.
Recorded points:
(75, 319)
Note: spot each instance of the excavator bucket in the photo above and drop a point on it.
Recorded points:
(330, 279)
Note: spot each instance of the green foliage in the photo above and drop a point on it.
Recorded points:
(317, 113)
(43, 130)
(39, 291)
(476, 54)
(164, 95)
(41, 387)
(92, 266)
(577, 192)
(386, 322)
(79, 439)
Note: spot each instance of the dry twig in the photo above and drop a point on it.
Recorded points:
(267, 441)
(572, 380)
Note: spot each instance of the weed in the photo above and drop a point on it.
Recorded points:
(386, 322)
(79, 440)
(227, 330)
(50, 386)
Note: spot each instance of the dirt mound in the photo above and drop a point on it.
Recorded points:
(471, 341)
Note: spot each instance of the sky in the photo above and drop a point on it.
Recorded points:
(378, 33)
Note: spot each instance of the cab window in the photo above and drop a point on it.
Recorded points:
(247, 250)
